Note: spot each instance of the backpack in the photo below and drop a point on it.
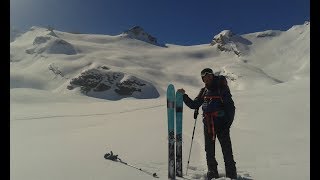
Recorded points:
(228, 104)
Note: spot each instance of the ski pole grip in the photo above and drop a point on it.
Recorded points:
(195, 114)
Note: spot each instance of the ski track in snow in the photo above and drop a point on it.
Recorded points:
(81, 115)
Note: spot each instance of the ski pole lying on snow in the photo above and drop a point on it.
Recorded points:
(195, 115)
(112, 157)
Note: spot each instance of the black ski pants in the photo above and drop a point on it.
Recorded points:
(223, 135)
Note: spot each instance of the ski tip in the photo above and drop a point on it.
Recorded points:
(170, 86)
(179, 94)
(171, 91)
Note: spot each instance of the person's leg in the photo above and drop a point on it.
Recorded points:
(210, 155)
(226, 146)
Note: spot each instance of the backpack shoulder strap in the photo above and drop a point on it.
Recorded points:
(202, 92)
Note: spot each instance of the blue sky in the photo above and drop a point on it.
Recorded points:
(182, 22)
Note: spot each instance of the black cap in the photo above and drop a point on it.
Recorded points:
(206, 71)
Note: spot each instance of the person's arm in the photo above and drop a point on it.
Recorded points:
(192, 104)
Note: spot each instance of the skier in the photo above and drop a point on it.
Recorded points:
(218, 114)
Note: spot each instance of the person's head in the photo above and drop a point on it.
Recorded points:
(207, 75)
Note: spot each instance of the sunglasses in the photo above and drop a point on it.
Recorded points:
(205, 73)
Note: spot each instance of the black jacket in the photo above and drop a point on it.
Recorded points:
(219, 87)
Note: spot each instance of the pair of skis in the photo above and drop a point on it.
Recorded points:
(174, 111)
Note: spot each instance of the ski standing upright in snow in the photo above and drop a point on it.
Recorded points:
(174, 110)
(179, 108)
(171, 140)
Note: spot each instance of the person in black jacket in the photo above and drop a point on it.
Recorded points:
(218, 114)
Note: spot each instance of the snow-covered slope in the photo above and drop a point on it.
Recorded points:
(75, 97)
(58, 58)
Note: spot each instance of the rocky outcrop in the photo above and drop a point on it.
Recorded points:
(268, 33)
(223, 37)
(138, 32)
(103, 82)
(129, 86)
(55, 70)
(229, 42)
(94, 80)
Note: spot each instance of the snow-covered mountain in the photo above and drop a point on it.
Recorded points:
(60, 59)
(75, 97)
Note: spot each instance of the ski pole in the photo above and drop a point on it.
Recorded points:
(195, 115)
(152, 174)
(112, 157)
